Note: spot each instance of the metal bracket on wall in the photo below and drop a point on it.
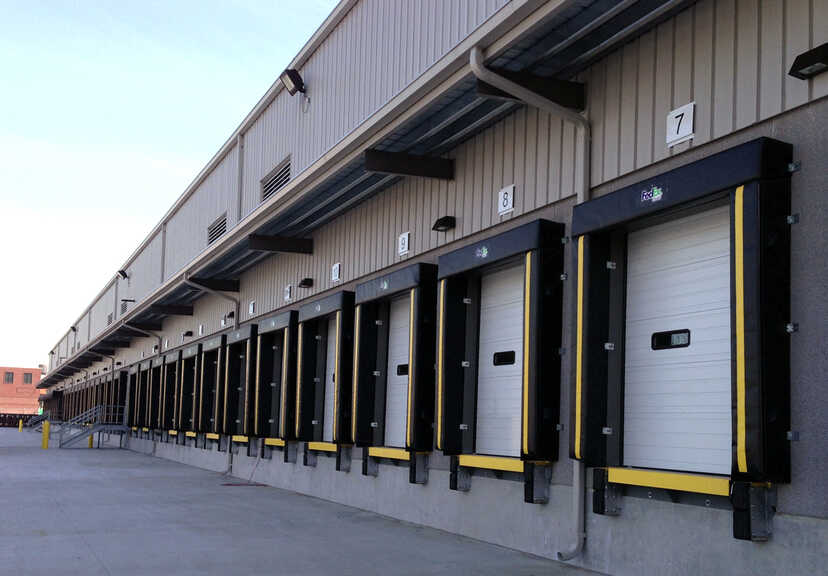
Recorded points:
(418, 468)
(459, 477)
(309, 457)
(754, 506)
(606, 497)
(343, 458)
(536, 483)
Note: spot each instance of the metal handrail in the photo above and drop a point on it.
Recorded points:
(100, 415)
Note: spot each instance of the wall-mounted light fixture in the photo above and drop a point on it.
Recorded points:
(306, 283)
(444, 223)
(118, 363)
(123, 274)
(74, 328)
(188, 334)
(292, 81)
(231, 314)
(810, 63)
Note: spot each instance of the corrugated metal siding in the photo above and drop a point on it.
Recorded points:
(731, 57)
(101, 310)
(83, 331)
(530, 149)
(378, 49)
(144, 272)
(187, 229)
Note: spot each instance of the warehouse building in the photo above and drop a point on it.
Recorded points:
(550, 274)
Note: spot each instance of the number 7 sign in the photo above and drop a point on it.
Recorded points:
(680, 126)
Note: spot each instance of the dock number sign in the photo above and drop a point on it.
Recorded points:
(680, 125)
(506, 200)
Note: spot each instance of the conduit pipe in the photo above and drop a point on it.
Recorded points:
(536, 100)
(235, 301)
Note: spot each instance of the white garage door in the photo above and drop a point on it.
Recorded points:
(677, 396)
(330, 369)
(396, 391)
(500, 363)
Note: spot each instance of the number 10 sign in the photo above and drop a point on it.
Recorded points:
(680, 124)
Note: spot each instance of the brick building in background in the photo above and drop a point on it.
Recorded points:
(18, 390)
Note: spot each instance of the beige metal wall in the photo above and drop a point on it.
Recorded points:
(530, 149)
(730, 57)
(144, 272)
(377, 49)
(187, 229)
(103, 307)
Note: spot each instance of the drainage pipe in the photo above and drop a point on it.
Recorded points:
(235, 301)
(536, 100)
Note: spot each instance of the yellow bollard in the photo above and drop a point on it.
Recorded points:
(91, 438)
(44, 443)
(20, 425)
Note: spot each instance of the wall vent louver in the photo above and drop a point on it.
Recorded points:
(109, 319)
(216, 229)
(123, 308)
(276, 180)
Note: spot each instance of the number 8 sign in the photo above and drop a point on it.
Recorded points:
(506, 200)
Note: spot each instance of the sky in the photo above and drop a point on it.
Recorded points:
(108, 110)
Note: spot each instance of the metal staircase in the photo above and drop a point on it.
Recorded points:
(37, 419)
(104, 418)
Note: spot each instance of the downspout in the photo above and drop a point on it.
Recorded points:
(235, 301)
(147, 333)
(536, 100)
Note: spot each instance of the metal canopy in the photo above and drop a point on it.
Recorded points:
(565, 43)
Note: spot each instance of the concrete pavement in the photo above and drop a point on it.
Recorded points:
(110, 511)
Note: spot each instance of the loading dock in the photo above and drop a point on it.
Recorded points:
(238, 370)
(209, 391)
(154, 392)
(393, 410)
(132, 410)
(324, 372)
(274, 397)
(682, 292)
(498, 367)
(169, 390)
(186, 402)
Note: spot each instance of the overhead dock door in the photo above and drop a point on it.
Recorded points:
(132, 409)
(500, 362)
(274, 396)
(154, 391)
(143, 393)
(169, 390)
(209, 391)
(677, 372)
(394, 371)
(498, 350)
(682, 355)
(238, 375)
(186, 410)
(397, 372)
(325, 358)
